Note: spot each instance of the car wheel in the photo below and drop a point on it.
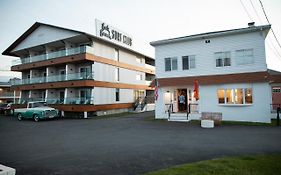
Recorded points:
(19, 116)
(36, 118)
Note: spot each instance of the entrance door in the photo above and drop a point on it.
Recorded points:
(85, 96)
(85, 72)
(61, 100)
(182, 100)
(44, 76)
(28, 79)
(62, 75)
(43, 95)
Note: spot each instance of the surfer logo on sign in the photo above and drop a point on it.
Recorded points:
(105, 31)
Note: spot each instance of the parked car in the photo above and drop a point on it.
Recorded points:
(36, 110)
(5, 108)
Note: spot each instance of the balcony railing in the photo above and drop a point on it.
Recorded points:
(6, 94)
(149, 67)
(51, 55)
(55, 78)
(147, 82)
(74, 100)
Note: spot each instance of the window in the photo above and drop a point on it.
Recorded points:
(248, 96)
(139, 76)
(171, 64)
(221, 96)
(174, 64)
(117, 74)
(117, 94)
(116, 55)
(244, 56)
(238, 96)
(188, 62)
(276, 90)
(229, 96)
(235, 96)
(139, 60)
(168, 64)
(222, 59)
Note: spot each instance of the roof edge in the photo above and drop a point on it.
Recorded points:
(211, 34)
(7, 52)
(28, 32)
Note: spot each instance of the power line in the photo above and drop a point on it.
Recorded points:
(269, 23)
(245, 9)
(255, 11)
(270, 45)
(273, 49)
(264, 11)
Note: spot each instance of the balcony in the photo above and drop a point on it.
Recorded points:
(55, 78)
(149, 67)
(57, 101)
(148, 82)
(7, 95)
(52, 55)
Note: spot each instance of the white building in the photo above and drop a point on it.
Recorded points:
(231, 70)
(75, 71)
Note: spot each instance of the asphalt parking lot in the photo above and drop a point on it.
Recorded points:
(133, 144)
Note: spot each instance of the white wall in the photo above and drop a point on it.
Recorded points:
(107, 96)
(52, 94)
(259, 111)
(204, 55)
(103, 50)
(160, 105)
(72, 93)
(128, 58)
(44, 34)
(104, 72)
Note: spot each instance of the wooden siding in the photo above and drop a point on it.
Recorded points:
(82, 108)
(80, 83)
(79, 58)
(216, 79)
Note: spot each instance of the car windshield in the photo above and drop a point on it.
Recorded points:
(39, 104)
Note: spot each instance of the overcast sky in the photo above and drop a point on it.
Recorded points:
(144, 20)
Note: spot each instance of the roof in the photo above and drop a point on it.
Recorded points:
(275, 76)
(211, 34)
(273, 72)
(38, 24)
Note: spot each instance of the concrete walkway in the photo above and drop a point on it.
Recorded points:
(134, 144)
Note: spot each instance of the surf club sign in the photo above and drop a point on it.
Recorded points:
(105, 31)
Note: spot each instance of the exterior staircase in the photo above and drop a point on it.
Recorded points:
(144, 104)
(178, 117)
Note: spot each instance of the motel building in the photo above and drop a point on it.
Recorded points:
(80, 73)
(226, 70)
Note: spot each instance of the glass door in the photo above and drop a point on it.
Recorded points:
(85, 73)
(61, 97)
(62, 75)
(85, 96)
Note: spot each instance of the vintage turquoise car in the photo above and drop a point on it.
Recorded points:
(36, 110)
